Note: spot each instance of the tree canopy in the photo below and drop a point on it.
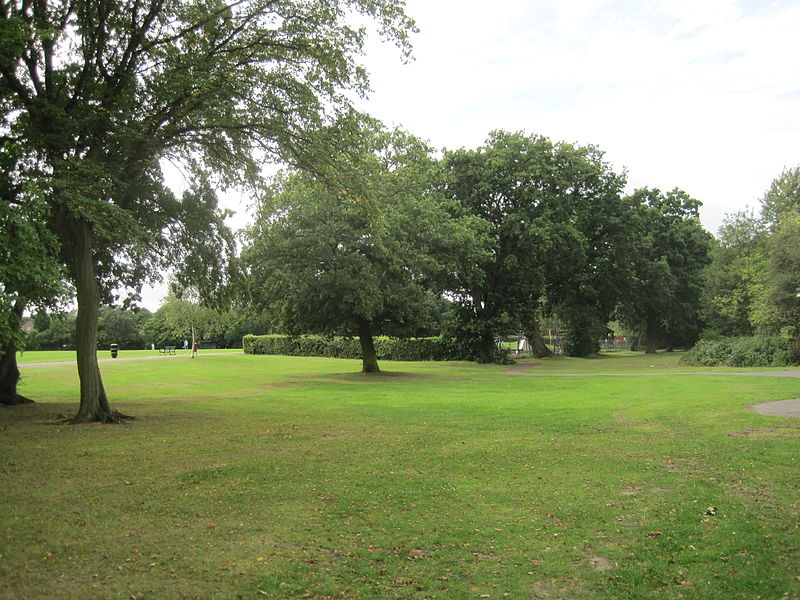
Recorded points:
(30, 273)
(363, 259)
(662, 303)
(554, 216)
(97, 93)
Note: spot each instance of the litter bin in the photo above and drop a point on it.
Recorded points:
(114, 350)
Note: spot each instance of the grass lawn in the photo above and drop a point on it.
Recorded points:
(44, 356)
(271, 477)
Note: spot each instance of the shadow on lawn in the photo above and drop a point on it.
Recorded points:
(382, 376)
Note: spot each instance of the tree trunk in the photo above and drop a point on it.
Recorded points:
(534, 334)
(9, 373)
(487, 349)
(94, 404)
(650, 338)
(670, 343)
(369, 357)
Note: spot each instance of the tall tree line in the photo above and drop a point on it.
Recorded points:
(519, 229)
(753, 282)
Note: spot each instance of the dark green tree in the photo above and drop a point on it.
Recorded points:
(122, 327)
(588, 272)
(662, 302)
(59, 334)
(97, 93)
(553, 214)
(30, 274)
(361, 258)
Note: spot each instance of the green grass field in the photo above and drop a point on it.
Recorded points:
(271, 477)
(44, 356)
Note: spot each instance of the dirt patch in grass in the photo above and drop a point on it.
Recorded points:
(779, 408)
(520, 368)
(601, 563)
(556, 589)
(765, 433)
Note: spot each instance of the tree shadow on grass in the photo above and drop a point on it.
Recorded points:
(381, 376)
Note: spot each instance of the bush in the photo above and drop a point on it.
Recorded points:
(749, 351)
(343, 347)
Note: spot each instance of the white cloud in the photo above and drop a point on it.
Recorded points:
(702, 96)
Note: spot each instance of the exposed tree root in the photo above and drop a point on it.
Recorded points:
(110, 418)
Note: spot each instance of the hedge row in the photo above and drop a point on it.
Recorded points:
(751, 351)
(343, 347)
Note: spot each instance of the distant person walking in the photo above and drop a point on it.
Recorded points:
(185, 344)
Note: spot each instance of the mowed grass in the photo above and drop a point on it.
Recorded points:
(45, 356)
(271, 477)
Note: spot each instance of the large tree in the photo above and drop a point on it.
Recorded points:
(552, 211)
(362, 255)
(662, 302)
(588, 271)
(97, 92)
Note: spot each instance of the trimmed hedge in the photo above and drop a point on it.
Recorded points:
(750, 351)
(343, 347)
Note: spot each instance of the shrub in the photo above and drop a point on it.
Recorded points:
(748, 351)
(343, 347)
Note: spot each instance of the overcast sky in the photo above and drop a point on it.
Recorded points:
(700, 95)
(704, 96)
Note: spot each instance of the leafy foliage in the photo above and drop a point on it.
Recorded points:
(174, 320)
(364, 255)
(751, 285)
(782, 198)
(735, 278)
(96, 94)
(662, 300)
(122, 327)
(30, 275)
(744, 351)
(408, 349)
(556, 227)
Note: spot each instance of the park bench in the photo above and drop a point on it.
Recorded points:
(167, 350)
